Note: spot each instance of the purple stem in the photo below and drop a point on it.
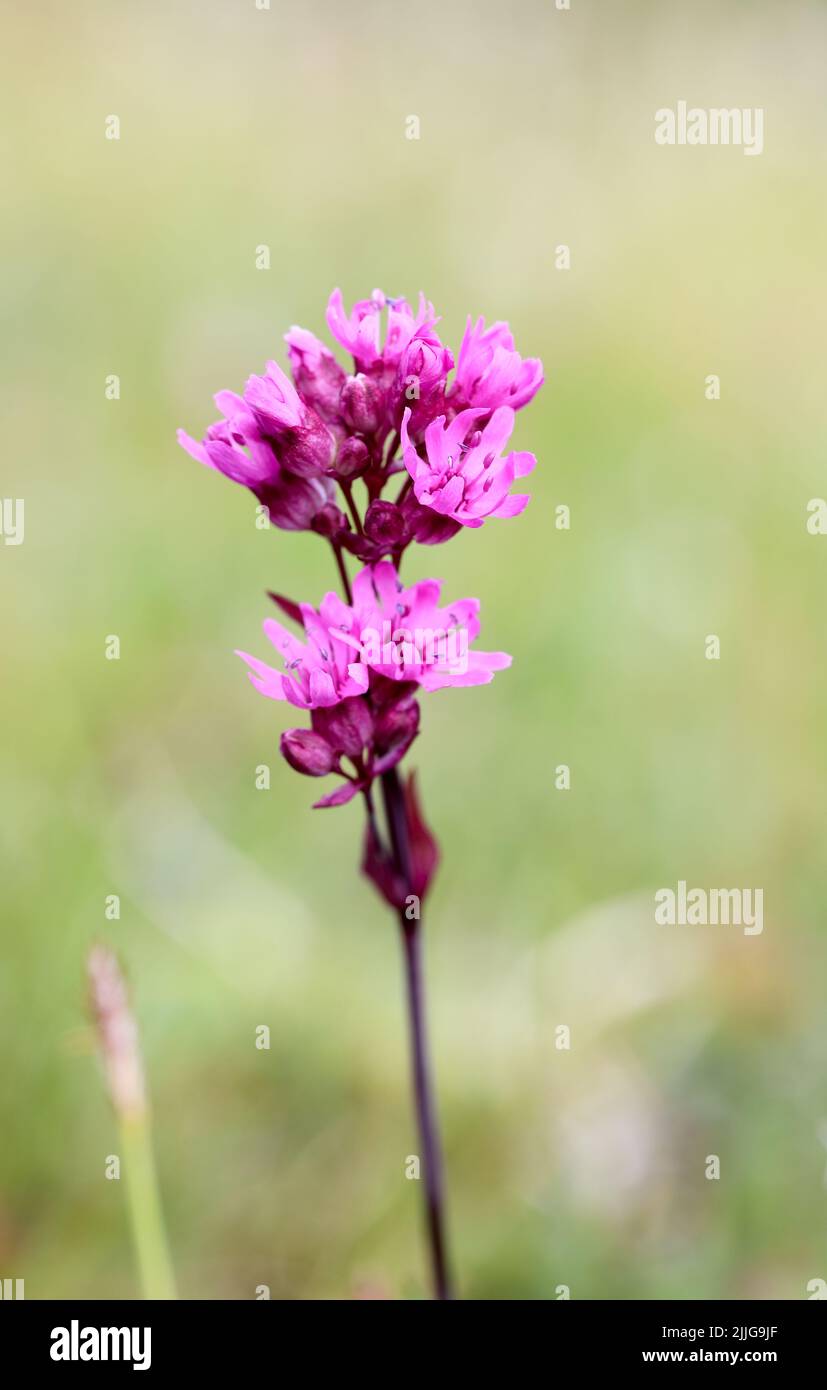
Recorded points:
(422, 1077)
(347, 489)
(342, 568)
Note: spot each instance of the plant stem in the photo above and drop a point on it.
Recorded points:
(347, 489)
(423, 1086)
(145, 1215)
(340, 561)
(392, 448)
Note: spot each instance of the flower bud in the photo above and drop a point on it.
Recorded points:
(386, 694)
(329, 521)
(308, 450)
(346, 727)
(421, 379)
(397, 723)
(385, 524)
(396, 730)
(307, 752)
(292, 502)
(363, 403)
(317, 374)
(352, 459)
(425, 525)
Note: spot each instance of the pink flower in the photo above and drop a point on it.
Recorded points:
(360, 332)
(489, 371)
(402, 634)
(421, 377)
(317, 673)
(464, 476)
(224, 444)
(304, 443)
(389, 633)
(237, 448)
(299, 504)
(317, 374)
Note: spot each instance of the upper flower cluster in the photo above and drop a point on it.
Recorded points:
(291, 441)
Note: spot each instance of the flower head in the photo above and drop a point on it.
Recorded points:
(223, 446)
(360, 331)
(464, 475)
(422, 377)
(318, 376)
(237, 447)
(389, 633)
(402, 634)
(320, 672)
(490, 373)
(304, 443)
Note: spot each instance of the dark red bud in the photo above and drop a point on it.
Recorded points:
(400, 721)
(307, 752)
(293, 502)
(396, 730)
(367, 551)
(385, 524)
(317, 374)
(352, 459)
(308, 450)
(363, 403)
(329, 520)
(386, 694)
(346, 727)
(425, 525)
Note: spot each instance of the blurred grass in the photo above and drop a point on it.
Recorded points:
(240, 907)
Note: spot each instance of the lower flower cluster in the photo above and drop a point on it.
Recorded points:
(359, 671)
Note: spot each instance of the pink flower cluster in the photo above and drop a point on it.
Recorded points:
(291, 442)
(405, 411)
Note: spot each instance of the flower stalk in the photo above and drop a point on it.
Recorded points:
(423, 1085)
(117, 1032)
(364, 657)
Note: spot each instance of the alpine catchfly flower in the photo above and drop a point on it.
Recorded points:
(403, 445)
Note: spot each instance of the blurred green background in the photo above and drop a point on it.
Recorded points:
(286, 127)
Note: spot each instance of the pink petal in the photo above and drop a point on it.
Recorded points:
(446, 499)
(283, 640)
(322, 691)
(194, 448)
(513, 505)
(523, 463)
(269, 682)
(359, 674)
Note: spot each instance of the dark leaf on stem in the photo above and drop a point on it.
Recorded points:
(288, 607)
(340, 797)
(424, 848)
(380, 868)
